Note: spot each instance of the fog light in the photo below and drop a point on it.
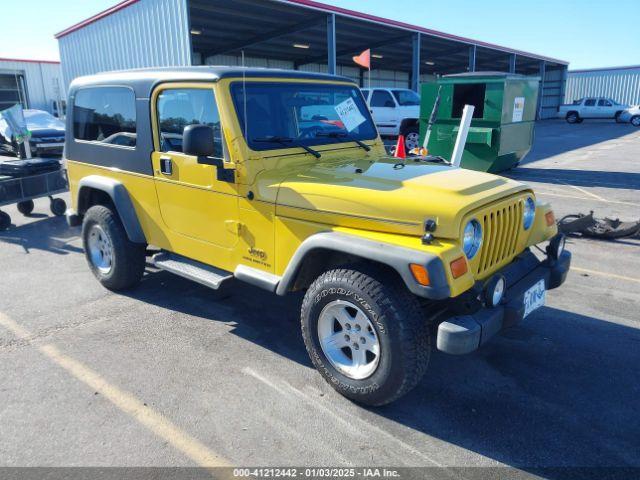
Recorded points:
(556, 246)
(458, 267)
(494, 291)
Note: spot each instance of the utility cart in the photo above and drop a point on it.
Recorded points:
(27, 185)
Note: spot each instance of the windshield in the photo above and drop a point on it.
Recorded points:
(304, 114)
(406, 98)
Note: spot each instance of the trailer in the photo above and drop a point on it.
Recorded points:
(23, 189)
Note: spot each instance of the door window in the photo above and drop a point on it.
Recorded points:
(382, 98)
(180, 107)
(604, 103)
(590, 102)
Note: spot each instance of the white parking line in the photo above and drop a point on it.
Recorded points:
(124, 401)
(605, 274)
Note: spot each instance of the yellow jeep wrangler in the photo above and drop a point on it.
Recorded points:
(280, 179)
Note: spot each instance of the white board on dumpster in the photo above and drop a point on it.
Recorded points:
(518, 109)
(349, 114)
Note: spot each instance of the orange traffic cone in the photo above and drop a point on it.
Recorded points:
(400, 150)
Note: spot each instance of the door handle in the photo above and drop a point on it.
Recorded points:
(166, 167)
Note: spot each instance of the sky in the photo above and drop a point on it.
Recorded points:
(587, 33)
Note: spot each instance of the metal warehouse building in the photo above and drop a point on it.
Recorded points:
(622, 84)
(291, 34)
(31, 83)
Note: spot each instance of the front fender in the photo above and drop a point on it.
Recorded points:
(397, 257)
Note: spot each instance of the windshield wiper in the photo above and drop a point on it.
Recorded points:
(343, 135)
(286, 141)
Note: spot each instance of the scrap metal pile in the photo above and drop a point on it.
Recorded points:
(606, 228)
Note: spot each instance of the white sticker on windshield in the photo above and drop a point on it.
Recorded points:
(350, 114)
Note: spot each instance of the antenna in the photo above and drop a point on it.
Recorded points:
(244, 99)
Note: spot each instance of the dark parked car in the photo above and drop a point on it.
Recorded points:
(47, 135)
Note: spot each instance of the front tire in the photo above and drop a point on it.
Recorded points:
(117, 262)
(411, 138)
(26, 207)
(635, 121)
(367, 336)
(617, 117)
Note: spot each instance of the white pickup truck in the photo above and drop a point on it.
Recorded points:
(591, 107)
(395, 112)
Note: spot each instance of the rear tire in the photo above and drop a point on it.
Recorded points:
(26, 207)
(573, 117)
(343, 304)
(117, 262)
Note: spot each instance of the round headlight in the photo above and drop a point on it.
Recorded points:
(472, 239)
(529, 213)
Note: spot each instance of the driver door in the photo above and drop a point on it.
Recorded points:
(195, 205)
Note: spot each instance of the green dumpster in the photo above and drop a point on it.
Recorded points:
(501, 131)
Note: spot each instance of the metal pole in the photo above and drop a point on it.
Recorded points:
(331, 44)
(512, 63)
(415, 62)
(472, 58)
(463, 132)
(543, 72)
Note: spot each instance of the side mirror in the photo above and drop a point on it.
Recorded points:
(197, 140)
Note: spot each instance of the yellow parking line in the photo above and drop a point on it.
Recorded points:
(124, 401)
(605, 274)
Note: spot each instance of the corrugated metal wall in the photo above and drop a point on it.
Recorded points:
(149, 33)
(43, 82)
(620, 84)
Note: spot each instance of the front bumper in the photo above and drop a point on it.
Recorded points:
(463, 334)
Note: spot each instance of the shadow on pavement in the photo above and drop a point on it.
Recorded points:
(580, 178)
(560, 390)
(554, 137)
(51, 234)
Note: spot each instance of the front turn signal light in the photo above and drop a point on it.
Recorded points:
(550, 218)
(420, 274)
(459, 267)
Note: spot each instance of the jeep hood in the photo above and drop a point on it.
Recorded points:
(383, 196)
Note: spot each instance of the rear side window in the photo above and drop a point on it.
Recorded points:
(106, 115)
(177, 108)
(590, 102)
(604, 103)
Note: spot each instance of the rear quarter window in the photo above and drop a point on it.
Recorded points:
(105, 115)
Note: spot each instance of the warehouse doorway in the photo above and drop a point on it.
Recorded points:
(12, 90)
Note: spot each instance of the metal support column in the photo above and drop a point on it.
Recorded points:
(512, 63)
(331, 44)
(472, 58)
(543, 71)
(415, 62)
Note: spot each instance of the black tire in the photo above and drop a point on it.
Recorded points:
(580, 120)
(411, 137)
(400, 324)
(635, 121)
(58, 206)
(573, 117)
(617, 117)
(128, 258)
(5, 221)
(26, 207)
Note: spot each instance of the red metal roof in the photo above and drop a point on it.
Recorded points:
(28, 60)
(340, 11)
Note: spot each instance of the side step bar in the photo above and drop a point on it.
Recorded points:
(198, 272)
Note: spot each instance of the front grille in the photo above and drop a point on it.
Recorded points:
(500, 227)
